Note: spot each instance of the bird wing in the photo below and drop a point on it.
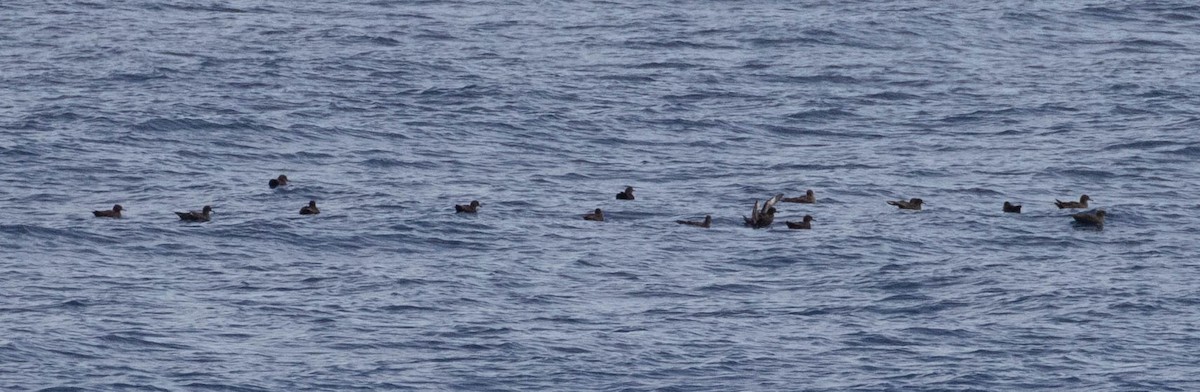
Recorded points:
(754, 214)
(771, 202)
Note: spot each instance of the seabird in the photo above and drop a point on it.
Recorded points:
(762, 218)
(1090, 218)
(278, 182)
(705, 224)
(310, 209)
(626, 195)
(114, 213)
(196, 216)
(806, 224)
(1082, 203)
(468, 208)
(808, 197)
(911, 204)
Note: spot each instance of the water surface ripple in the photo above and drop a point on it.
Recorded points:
(389, 113)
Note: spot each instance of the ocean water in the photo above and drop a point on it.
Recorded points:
(390, 112)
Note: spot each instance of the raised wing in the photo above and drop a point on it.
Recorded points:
(771, 202)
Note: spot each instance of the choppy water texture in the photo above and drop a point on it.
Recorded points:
(389, 113)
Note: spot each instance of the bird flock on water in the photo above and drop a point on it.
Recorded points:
(761, 216)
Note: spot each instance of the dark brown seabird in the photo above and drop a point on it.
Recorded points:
(278, 182)
(310, 209)
(468, 208)
(196, 216)
(762, 218)
(705, 224)
(806, 224)
(809, 198)
(1082, 203)
(115, 212)
(911, 204)
(626, 195)
(1090, 218)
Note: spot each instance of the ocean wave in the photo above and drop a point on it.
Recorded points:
(389, 113)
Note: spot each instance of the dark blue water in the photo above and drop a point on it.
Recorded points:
(389, 113)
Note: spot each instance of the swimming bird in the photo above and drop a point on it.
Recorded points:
(1090, 218)
(196, 216)
(310, 209)
(468, 208)
(1082, 203)
(626, 195)
(114, 213)
(808, 197)
(278, 182)
(595, 216)
(806, 224)
(705, 224)
(762, 218)
(911, 204)
(1010, 207)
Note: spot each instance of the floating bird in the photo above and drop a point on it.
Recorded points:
(468, 208)
(310, 209)
(1090, 218)
(808, 197)
(762, 218)
(278, 182)
(705, 224)
(626, 195)
(196, 216)
(114, 213)
(806, 224)
(1010, 207)
(1082, 203)
(911, 204)
(595, 216)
